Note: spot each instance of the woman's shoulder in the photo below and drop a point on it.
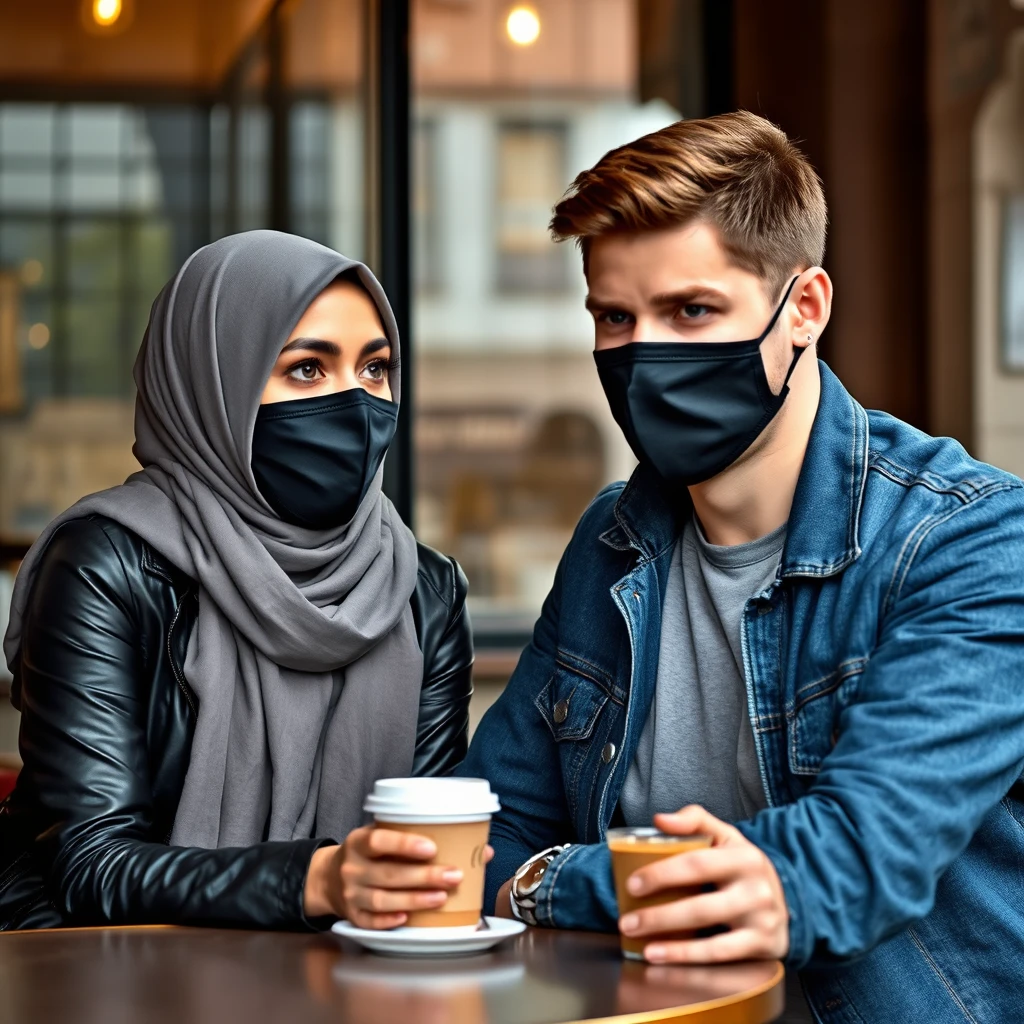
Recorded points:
(104, 548)
(441, 579)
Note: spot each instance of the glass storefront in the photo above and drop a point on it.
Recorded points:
(512, 433)
(184, 126)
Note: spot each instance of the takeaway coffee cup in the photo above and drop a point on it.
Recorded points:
(635, 848)
(456, 815)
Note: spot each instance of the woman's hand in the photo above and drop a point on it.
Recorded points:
(748, 898)
(376, 877)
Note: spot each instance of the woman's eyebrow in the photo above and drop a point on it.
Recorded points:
(327, 348)
(374, 346)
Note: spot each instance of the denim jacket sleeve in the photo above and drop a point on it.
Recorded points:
(932, 740)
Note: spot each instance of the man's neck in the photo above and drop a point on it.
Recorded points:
(754, 496)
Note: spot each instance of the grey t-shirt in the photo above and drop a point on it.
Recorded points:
(697, 745)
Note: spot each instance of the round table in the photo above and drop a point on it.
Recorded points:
(202, 975)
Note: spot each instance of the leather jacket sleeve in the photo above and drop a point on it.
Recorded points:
(439, 607)
(87, 768)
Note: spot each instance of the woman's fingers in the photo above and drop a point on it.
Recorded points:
(398, 875)
(383, 842)
(395, 901)
(363, 919)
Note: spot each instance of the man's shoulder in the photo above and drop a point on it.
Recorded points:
(938, 466)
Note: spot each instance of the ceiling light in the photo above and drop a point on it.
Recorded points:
(523, 26)
(106, 12)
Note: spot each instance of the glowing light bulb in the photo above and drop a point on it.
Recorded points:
(523, 26)
(106, 12)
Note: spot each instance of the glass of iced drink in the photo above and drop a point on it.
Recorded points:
(635, 848)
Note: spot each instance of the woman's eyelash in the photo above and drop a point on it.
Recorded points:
(305, 362)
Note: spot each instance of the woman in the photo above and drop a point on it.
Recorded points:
(215, 660)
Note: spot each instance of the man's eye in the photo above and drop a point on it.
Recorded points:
(615, 317)
(691, 311)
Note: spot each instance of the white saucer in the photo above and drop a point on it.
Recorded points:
(431, 941)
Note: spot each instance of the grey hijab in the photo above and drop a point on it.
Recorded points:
(304, 656)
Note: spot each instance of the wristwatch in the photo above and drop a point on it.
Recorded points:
(526, 882)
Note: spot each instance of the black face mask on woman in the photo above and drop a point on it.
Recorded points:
(690, 409)
(315, 458)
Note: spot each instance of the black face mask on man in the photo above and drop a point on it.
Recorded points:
(315, 458)
(690, 409)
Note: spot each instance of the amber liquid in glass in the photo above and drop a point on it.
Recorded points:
(633, 849)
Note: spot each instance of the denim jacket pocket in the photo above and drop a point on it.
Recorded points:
(813, 720)
(571, 705)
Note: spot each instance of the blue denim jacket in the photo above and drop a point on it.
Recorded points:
(885, 683)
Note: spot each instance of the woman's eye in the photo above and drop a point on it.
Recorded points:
(306, 372)
(377, 370)
(691, 311)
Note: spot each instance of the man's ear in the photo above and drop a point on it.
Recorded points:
(812, 296)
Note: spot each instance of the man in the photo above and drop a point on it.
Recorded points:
(801, 622)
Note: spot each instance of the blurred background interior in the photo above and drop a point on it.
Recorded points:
(431, 138)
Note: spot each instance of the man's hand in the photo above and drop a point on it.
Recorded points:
(749, 899)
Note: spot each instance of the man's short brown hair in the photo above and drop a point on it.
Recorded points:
(737, 172)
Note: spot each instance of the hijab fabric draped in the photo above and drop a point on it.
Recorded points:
(304, 655)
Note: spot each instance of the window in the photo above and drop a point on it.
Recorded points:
(98, 204)
(531, 174)
(426, 224)
(512, 432)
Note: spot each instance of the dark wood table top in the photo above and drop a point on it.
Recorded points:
(202, 976)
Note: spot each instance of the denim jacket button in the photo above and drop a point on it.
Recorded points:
(561, 710)
(608, 752)
(636, 594)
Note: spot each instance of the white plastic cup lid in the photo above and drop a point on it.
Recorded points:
(439, 800)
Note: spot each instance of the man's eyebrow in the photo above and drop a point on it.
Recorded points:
(684, 296)
(596, 305)
(324, 347)
(695, 294)
(374, 346)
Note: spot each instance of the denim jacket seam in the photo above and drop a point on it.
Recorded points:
(842, 672)
(966, 490)
(859, 458)
(1005, 803)
(563, 658)
(938, 973)
(905, 562)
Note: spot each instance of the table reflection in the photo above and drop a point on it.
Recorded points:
(542, 977)
(209, 976)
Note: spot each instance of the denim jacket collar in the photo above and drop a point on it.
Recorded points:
(824, 523)
(646, 517)
(822, 538)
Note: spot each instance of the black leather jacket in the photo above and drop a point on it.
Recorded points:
(106, 732)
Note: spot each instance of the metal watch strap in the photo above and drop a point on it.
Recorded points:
(522, 902)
